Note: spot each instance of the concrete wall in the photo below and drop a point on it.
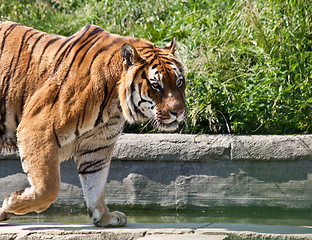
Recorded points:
(206, 171)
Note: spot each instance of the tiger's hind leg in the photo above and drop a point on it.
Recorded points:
(44, 189)
(40, 163)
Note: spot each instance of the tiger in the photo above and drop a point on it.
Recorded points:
(69, 97)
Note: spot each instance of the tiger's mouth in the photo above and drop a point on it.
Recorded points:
(166, 127)
(167, 121)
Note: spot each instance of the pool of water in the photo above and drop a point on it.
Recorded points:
(251, 215)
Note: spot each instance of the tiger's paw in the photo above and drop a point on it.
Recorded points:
(4, 215)
(112, 219)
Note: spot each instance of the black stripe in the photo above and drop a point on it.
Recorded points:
(146, 45)
(56, 97)
(22, 99)
(132, 113)
(77, 127)
(109, 124)
(143, 76)
(63, 44)
(84, 55)
(83, 113)
(169, 63)
(92, 167)
(16, 120)
(47, 45)
(116, 41)
(56, 138)
(112, 55)
(84, 172)
(32, 49)
(137, 72)
(20, 50)
(148, 51)
(136, 110)
(5, 85)
(103, 104)
(37, 32)
(165, 55)
(2, 115)
(132, 90)
(142, 99)
(134, 106)
(132, 87)
(74, 58)
(95, 150)
(148, 56)
(97, 54)
(77, 40)
(176, 62)
(7, 33)
(153, 60)
(114, 135)
(94, 32)
(61, 57)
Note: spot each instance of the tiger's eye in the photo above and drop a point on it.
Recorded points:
(180, 81)
(156, 86)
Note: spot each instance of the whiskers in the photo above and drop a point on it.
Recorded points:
(159, 125)
(155, 122)
(183, 126)
(149, 121)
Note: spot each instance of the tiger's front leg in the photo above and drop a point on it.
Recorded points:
(93, 167)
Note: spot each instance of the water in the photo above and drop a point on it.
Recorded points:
(251, 215)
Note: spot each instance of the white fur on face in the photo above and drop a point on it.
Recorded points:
(144, 103)
(155, 76)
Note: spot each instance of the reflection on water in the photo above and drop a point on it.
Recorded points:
(252, 215)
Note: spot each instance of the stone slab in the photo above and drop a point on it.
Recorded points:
(183, 147)
(172, 147)
(142, 231)
(271, 147)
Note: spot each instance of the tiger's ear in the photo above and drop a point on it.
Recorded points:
(130, 55)
(171, 46)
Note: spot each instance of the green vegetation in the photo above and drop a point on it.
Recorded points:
(248, 63)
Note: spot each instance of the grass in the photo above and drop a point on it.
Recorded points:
(248, 63)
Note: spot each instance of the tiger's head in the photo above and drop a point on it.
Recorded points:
(152, 86)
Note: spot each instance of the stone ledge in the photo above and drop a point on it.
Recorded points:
(182, 147)
(149, 231)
